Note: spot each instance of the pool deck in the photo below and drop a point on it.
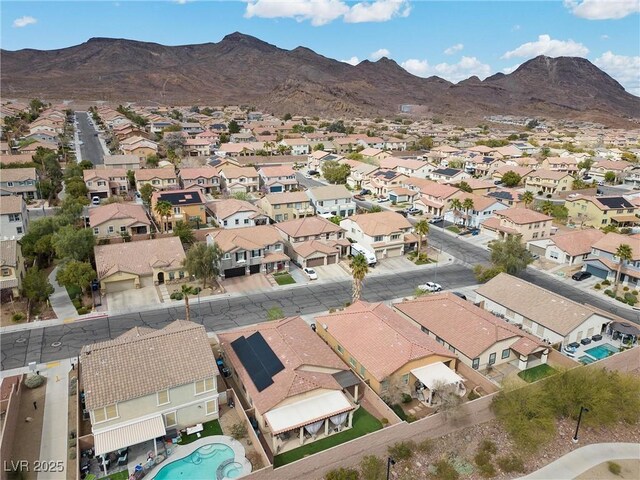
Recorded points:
(582, 350)
(182, 451)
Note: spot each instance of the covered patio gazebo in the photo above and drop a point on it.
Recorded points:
(626, 332)
(437, 376)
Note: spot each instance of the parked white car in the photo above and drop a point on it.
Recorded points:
(430, 287)
(311, 273)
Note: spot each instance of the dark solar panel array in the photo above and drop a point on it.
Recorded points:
(615, 202)
(388, 174)
(267, 357)
(182, 198)
(503, 195)
(446, 171)
(260, 362)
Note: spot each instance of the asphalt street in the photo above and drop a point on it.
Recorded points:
(91, 148)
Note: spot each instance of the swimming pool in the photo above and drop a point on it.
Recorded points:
(213, 461)
(586, 360)
(602, 351)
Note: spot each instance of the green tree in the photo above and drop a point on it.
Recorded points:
(35, 106)
(85, 165)
(336, 219)
(484, 274)
(547, 207)
(373, 468)
(319, 146)
(465, 187)
(335, 172)
(578, 184)
(287, 117)
(624, 252)
(70, 243)
(468, 205)
(184, 231)
(375, 209)
(163, 208)
(131, 178)
(456, 206)
(75, 273)
(76, 187)
(187, 290)
(337, 126)
(153, 160)
(359, 270)
(527, 198)
(203, 262)
(610, 229)
(241, 196)
(233, 127)
(609, 177)
(425, 143)
(511, 179)
(510, 254)
(146, 191)
(585, 164)
(422, 229)
(36, 286)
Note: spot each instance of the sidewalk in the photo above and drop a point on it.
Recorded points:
(55, 436)
(60, 301)
(578, 461)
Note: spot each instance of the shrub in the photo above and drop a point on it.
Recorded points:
(176, 296)
(425, 446)
(384, 420)
(625, 288)
(406, 398)
(509, 464)
(410, 418)
(609, 292)
(620, 299)
(488, 446)
(77, 303)
(487, 470)
(445, 471)
(238, 430)
(597, 286)
(372, 468)
(83, 310)
(614, 468)
(402, 450)
(17, 317)
(342, 474)
(72, 442)
(72, 453)
(472, 395)
(34, 381)
(606, 282)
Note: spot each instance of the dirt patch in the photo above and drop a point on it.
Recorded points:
(9, 309)
(72, 418)
(629, 469)
(29, 434)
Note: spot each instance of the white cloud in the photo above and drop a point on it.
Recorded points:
(378, 54)
(603, 9)
(454, 48)
(508, 70)
(321, 12)
(604, 37)
(515, 28)
(352, 61)
(624, 69)
(454, 72)
(548, 46)
(24, 21)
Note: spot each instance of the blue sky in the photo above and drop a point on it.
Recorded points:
(451, 39)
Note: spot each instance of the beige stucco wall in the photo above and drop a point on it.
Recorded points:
(103, 228)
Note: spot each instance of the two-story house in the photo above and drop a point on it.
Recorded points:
(527, 224)
(548, 182)
(117, 219)
(126, 162)
(561, 164)
(206, 179)
(601, 211)
(433, 196)
(448, 175)
(387, 234)
(186, 205)
(250, 250)
(14, 218)
(482, 209)
(603, 261)
(239, 179)
(277, 178)
(600, 168)
(124, 410)
(158, 178)
(105, 182)
(298, 146)
(359, 174)
(232, 213)
(410, 167)
(139, 146)
(332, 200)
(381, 181)
(313, 241)
(281, 207)
(20, 181)
(11, 267)
(197, 147)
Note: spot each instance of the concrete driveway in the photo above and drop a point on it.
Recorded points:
(392, 265)
(130, 299)
(248, 283)
(331, 272)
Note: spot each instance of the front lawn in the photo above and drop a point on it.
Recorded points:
(283, 278)
(210, 428)
(454, 229)
(534, 374)
(363, 423)
(122, 475)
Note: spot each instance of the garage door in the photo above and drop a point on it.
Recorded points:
(120, 286)
(315, 262)
(332, 259)
(276, 189)
(597, 272)
(254, 269)
(234, 272)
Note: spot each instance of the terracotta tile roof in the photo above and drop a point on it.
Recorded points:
(578, 242)
(546, 308)
(611, 241)
(308, 248)
(388, 341)
(18, 174)
(143, 361)
(195, 173)
(431, 188)
(523, 216)
(10, 204)
(118, 211)
(468, 328)
(307, 226)
(8, 253)
(480, 202)
(120, 159)
(545, 174)
(230, 206)
(232, 172)
(613, 165)
(493, 223)
(393, 162)
(329, 192)
(7, 159)
(286, 197)
(522, 171)
(301, 351)
(145, 174)
(249, 238)
(139, 258)
(277, 171)
(380, 223)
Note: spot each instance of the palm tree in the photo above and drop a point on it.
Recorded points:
(547, 208)
(624, 254)
(456, 206)
(527, 198)
(359, 269)
(421, 228)
(187, 290)
(467, 204)
(163, 209)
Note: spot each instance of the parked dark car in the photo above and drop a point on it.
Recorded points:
(579, 276)
(403, 213)
(461, 295)
(359, 197)
(364, 191)
(313, 172)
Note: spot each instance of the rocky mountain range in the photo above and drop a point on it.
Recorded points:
(241, 69)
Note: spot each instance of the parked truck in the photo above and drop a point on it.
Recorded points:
(357, 249)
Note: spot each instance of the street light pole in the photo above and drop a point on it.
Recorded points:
(390, 461)
(575, 437)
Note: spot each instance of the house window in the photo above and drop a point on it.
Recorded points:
(172, 276)
(246, 221)
(203, 386)
(363, 371)
(384, 385)
(224, 223)
(110, 229)
(510, 313)
(14, 217)
(237, 221)
(452, 349)
(123, 229)
(163, 397)
(278, 247)
(505, 353)
(405, 379)
(340, 349)
(176, 210)
(492, 359)
(439, 340)
(352, 361)
(170, 419)
(475, 364)
(255, 253)
(18, 229)
(181, 274)
(535, 234)
(527, 323)
(378, 238)
(227, 256)
(210, 407)
(240, 256)
(425, 330)
(6, 272)
(395, 236)
(105, 413)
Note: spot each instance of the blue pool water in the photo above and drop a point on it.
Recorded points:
(209, 462)
(602, 351)
(586, 360)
